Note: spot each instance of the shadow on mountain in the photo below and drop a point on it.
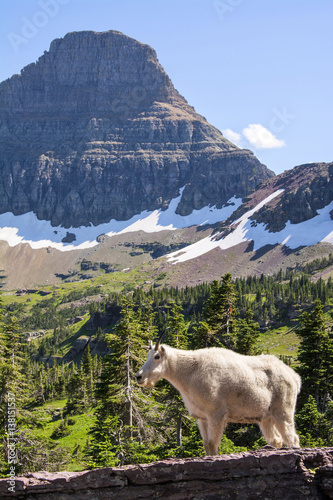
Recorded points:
(205, 227)
(261, 252)
(286, 251)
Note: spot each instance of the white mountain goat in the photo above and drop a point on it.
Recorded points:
(220, 386)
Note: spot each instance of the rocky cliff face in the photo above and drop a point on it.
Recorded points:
(95, 130)
(305, 190)
(286, 474)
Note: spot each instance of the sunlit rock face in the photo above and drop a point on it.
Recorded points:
(95, 130)
(307, 190)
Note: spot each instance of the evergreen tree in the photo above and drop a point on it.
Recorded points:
(177, 337)
(87, 367)
(76, 388)
(12, 394)
(247, 336)
(121, 405)
(219, 311)
(315, 355)
(177, 333)
(19, 448)
(315, 428)
(203, 335)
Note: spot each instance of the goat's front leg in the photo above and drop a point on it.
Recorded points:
(203, 428)
(212, 431)
(215, 433)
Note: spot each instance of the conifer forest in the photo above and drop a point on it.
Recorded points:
(79, 408)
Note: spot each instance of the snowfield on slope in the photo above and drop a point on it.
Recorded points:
(27, 228)
(307, 233)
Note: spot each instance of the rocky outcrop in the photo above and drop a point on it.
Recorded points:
(286, 474)
(95, 130)
(307, 188)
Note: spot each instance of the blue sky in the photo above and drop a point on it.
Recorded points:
(259, 70)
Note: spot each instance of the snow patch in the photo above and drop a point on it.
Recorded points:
(26, 228)
(307, 233)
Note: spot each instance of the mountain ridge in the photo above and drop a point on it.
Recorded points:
(293, 209)
(242, 244)
(95, 130)
(99, 147)
(307, 188)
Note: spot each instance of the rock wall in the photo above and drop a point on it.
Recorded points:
(286, 474)
(95, 130)
(307, 189)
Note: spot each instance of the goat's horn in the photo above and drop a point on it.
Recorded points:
(160, 338)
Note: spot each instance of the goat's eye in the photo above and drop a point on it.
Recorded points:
(157, 356)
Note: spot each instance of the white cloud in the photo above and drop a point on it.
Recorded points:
(232, 136)
(261, 138)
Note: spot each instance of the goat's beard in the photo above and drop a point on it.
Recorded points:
(146, 383)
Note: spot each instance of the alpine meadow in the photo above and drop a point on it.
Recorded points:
(126, 215)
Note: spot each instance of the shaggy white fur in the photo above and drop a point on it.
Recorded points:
(220, 386)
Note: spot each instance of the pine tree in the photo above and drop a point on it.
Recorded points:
(203, 335)
(12, 394)
(121, 405)
(146, 317)
(76, 389)
(87, 367)
(19, 448)
(247, 336)
(315, 355)
(219, 311)
(177, 337)
(315, 428)
(177, 333)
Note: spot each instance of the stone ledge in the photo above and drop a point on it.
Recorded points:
(267, 473)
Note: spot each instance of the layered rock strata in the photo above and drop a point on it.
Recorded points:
(305, 190)
(95, 130)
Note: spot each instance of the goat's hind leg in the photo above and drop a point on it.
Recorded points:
(288, 432)
(270, 432)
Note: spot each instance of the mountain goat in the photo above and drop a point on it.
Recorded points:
(220, 386)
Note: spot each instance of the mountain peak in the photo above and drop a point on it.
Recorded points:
(88, 72)
(95, 130)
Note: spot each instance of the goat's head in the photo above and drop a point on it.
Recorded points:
(152, 371)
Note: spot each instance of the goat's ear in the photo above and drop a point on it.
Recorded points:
(162, 350)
